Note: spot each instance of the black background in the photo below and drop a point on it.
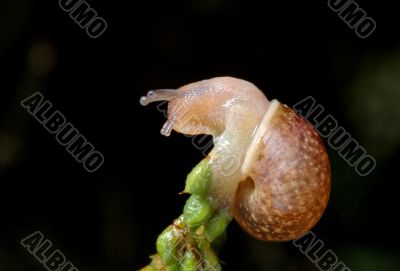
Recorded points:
(109, 220)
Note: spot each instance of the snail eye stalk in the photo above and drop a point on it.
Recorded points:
(158, 95)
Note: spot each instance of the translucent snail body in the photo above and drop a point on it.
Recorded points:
(269, 167)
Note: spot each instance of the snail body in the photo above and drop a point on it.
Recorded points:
(270, 170)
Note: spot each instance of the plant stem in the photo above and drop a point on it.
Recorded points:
(193, 240)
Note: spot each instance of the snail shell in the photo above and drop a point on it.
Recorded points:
(270, 169)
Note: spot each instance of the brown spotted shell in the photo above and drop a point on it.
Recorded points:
(288, 185)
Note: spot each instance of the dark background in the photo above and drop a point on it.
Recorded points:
(109, 220)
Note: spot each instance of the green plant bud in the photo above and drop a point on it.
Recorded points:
(210, 260)
(174, 267)
(168, 245)
(197, 211)
(189, 262)
(216, 226)
(199, 179)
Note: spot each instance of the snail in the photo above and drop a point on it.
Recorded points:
(270, 169)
